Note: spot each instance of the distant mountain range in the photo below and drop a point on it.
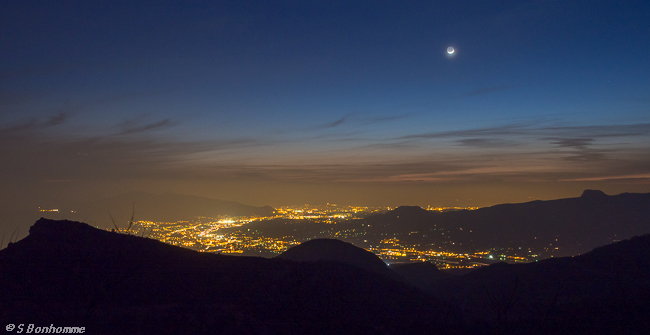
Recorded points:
(70, 274)
(165, 207)
(554, 228)
(563, 227)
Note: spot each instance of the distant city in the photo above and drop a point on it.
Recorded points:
(449, 237)
(268, 236)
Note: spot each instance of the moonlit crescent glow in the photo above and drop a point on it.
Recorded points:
(450, 50)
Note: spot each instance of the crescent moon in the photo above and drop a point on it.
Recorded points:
(450, 50)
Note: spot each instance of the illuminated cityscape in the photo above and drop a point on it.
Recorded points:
(289, 226)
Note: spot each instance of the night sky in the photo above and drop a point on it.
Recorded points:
(350, 102)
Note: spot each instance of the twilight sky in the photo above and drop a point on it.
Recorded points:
(352, 102)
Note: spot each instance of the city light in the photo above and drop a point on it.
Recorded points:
(236, 235)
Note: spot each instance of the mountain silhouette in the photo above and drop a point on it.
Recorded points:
(420, 274)
(593, 194)
(604, 291)
(337, 251)
(562, 227)
(70, 274)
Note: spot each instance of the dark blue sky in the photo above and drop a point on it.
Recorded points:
(285, 102)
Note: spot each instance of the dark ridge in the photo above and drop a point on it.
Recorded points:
(557, 228)
(337, 251)
(403, 212)
(604, 291)
(407, 210)
(70, 274)
(621, 254)
(593, 194)
(421, 274)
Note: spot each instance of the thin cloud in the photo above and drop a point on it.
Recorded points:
(507, 130)
(485, 143)
(58, 119)
(388, 146)
(335, 123)
(112, 157)
(553, 155)
(605, 178)
(638, 129)
(347, 119)
(587, 156)
(21, 127)
(332, 172)
(545, 132)
(128, 128)
(578, 143)
(36, 124)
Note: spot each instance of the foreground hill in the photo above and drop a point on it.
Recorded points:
(70, 274)
(337, 251)
(605, 291)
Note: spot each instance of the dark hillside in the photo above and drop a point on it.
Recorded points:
(603, 291)
(68, 273)
(337, 251)
(563, 227)
(421, 274)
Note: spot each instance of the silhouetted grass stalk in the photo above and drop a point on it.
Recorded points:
(16, 233)
(132, 216)
(128, 229)
(117, 229)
